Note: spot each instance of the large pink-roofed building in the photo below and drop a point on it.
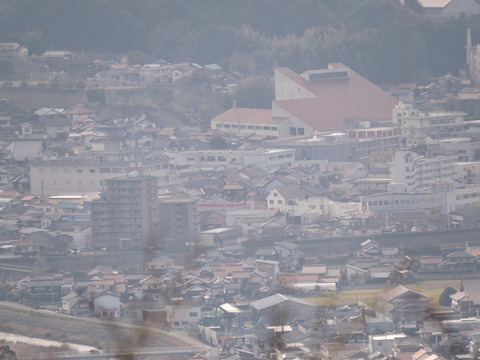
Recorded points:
(316, 101)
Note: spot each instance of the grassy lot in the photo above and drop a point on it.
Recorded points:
(431, 288)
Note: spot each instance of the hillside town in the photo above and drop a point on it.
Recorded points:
(243, 230)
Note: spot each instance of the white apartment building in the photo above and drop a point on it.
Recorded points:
(72, 175)
(418, 172)
(416, 125)
(443, 201)
(267, 159)
(270, 159)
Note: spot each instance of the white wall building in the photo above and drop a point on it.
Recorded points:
(270, 159)
(443, 201)
(180, 317)
(267, 159)
(416, 125)
(417, 172)
(72, 175)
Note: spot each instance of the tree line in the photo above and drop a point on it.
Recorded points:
(384, 40)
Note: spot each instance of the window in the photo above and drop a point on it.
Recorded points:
(293, 131)
(79, 171)
(266, 128)
(301, 131)
(280, 202)
(271, 202)
(227, 126)
(193, 314)
(91, 171)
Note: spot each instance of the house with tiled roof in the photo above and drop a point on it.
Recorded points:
(284, 196)
(403, 304)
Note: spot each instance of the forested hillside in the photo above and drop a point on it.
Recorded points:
(381, 39)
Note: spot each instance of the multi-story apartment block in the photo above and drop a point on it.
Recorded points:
(419, 172)
(73, 175)
(126, 216)
(416, 125)
(179, 219)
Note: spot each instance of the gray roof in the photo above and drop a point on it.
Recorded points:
(460, 253)
(291, 192)
(22, 150)
(275, 300)
(399, 291)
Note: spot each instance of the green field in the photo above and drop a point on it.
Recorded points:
(431, 288)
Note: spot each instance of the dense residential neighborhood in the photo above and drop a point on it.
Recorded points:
(340, 222)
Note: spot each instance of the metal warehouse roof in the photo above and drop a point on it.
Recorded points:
(276, 300)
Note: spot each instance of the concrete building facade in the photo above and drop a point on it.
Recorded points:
(126, 216)
(70, 175)
(417, 172)
(179, 219)
(416, 125)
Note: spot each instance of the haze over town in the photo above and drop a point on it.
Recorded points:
(240, 180)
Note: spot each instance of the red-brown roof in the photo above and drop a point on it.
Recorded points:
(251, 116)
(336, 103)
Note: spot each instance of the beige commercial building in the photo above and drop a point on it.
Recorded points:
(74, 176)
